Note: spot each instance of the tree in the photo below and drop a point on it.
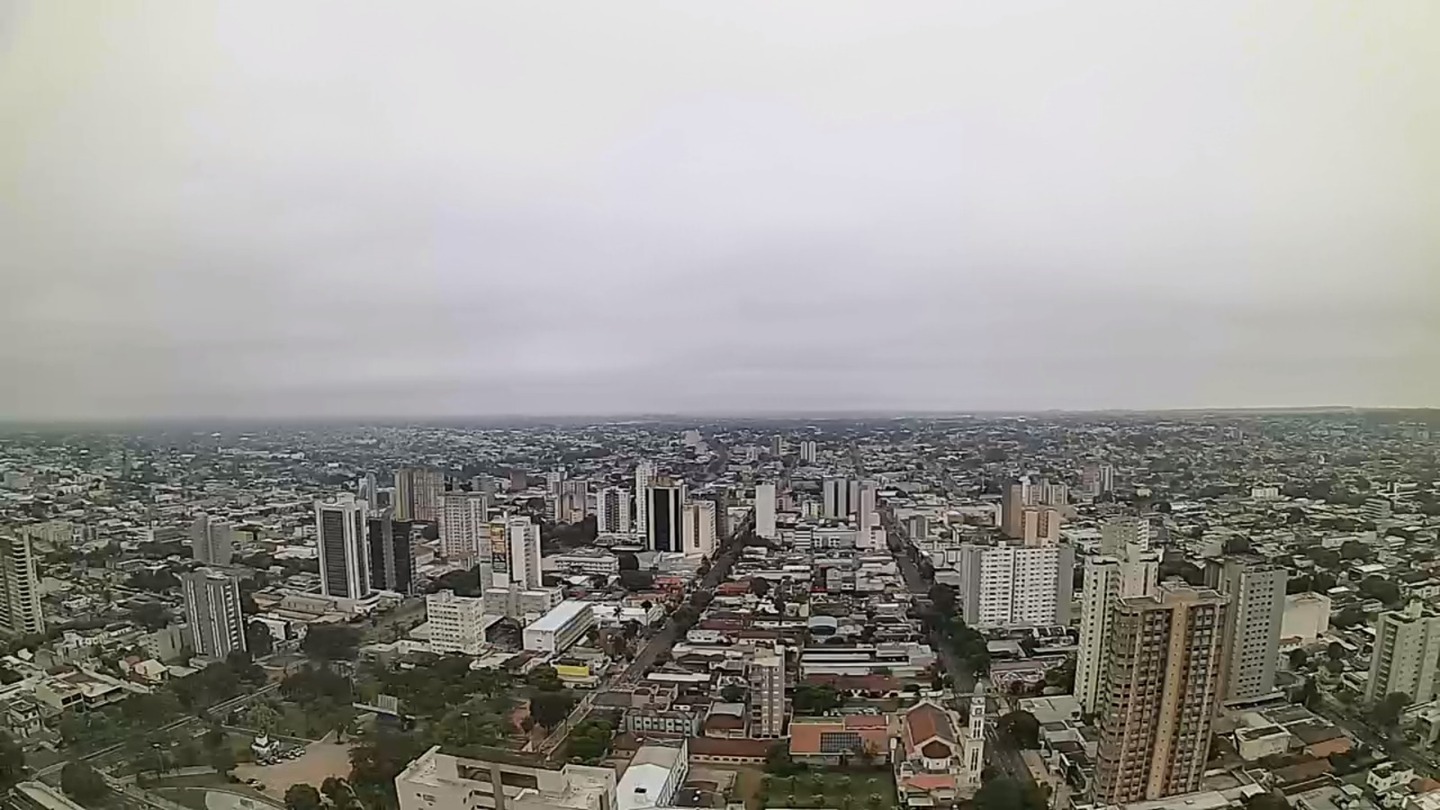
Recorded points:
(83, 784)
(760, 587)
(339, 793)
(150, 615)
(1335, 652)
(544, 678)
(1310, 694)
(551, 708)
(1298, 659)
(1022, 728)
(331, 642)
(1349, 617)
(627, 561)
(1006, 793)
(1373, 587)
(12, 762)
(222, 759)
(590, 740)
(812, 699)
(1354, 550)
(1237, 545)
(301, 796)
(732, 694)
(1387, 712)
(259, 640)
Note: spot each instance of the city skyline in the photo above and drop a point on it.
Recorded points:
(747, 209)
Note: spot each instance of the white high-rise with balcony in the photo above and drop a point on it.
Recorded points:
(464, 526)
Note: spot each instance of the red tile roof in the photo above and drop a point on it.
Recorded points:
(924, 722)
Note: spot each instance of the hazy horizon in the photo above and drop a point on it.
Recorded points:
(447, 210)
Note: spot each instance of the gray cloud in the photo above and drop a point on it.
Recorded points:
(456, 208)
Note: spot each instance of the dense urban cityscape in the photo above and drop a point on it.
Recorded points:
(1179, 610)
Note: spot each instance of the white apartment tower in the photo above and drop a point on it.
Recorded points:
(1107, 581)
(20, 610)
(865, 514)
(809, 451)
(1407, 644)
(464, 526)
(612, 511)
(767, 693)
(837, 500)
(765, 511)
(1252, 635)
(211, 540)
(524, 537)
(699, 529)
(456, 623)
(1016, 586)
(644, 472)
(212, 608)
(1120, 533)
(340, 544)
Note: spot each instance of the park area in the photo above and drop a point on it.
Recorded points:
(854, 789)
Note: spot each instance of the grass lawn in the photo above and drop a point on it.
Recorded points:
(849, 790)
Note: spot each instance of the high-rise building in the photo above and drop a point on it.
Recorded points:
(499, 562)
(369, 491)
(865, 514)
(464, 526)
(777, 446)
(1164, 679)
(417, 494)
(1107, 581)
(392, 554)
(1120, 533)
(767, 693)
(809, 451)
(20, 610)
(340, 543)
(612, 511)
(1014, 497)
(1040, 525)
(212, 607)
(644, 472)
(553, 480)
(1407, 645)
(524, 536)
(664, 514)
(211, 540)
(765, 511)
(573, 501)
(836, 496)
(699, 529)
(456, 623)
(1252, 634)
(1016, 586)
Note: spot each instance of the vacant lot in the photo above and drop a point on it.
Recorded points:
(321, 759)
(851, 790)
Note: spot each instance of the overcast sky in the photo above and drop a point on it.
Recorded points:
(287, 209)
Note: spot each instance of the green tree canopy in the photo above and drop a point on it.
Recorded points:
(83, 784)
(1022, 728)
(301, 796)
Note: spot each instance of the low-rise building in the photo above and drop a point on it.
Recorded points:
(557, 630)
(437, 781)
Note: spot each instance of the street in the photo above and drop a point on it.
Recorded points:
(1000, 751)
